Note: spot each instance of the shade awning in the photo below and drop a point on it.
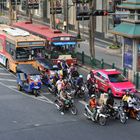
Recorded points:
(127, 30)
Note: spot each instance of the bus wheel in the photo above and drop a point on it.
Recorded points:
(7, 65)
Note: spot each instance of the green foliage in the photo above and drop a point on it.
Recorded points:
(114, 47)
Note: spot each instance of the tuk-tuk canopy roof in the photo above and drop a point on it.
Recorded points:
(27, 69)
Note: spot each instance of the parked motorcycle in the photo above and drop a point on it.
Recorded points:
(68, 105)
(99, 116)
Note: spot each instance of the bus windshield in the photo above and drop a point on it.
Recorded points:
(56, 51)
(29, 53)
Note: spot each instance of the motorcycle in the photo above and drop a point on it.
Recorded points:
(68, 105)
(117, 112)
(81, 91)
(135, 112)
(99, 116)
(92, 89)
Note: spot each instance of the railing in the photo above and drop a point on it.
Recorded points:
(100, 64)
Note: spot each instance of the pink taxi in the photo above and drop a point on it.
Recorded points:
(112, 81)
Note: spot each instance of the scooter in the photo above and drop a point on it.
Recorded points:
(98, 117)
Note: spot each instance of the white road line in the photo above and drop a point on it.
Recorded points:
(12, 87)
(47, 100)
(2, 73)
(83, 102)
(10, 80)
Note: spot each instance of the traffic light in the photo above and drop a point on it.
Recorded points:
(82, 12)
(15, 2)
(100, 13)
(81, 1)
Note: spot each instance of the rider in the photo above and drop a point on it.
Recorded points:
(92, 105)
(72, 69)
(63, 97)
(59, 64)
(79, 83)
(110, 103)
(125, 99)
(91, 83)
(60, 84)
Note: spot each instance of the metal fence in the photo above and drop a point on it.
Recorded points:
(100, 64)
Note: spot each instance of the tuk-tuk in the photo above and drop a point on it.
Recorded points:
(28, 79)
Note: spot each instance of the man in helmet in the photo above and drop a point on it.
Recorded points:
(59, 64)
(110, 103)
(59, 84)
(78, 83)
(129, 102)
(93, 105)
(125, 100)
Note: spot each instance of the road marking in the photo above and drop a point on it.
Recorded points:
(44, 98)
(2, 73)
(47, 100)
(83, 102)
(12, 87)
(10, 80)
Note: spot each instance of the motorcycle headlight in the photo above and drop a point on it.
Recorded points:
(83, 88)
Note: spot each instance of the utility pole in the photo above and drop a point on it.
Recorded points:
(52, 18)
(92, 29)
(10, 12)
(66, 14)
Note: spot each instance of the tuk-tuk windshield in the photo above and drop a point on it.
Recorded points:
(35, 77)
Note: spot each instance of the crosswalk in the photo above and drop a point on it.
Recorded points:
(9, 80)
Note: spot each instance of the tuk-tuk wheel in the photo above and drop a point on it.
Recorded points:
(35, 93)
(19, 87)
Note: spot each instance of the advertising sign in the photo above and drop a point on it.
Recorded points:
(128, 53)
(138, 58)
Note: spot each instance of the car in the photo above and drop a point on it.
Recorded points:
(112, 81)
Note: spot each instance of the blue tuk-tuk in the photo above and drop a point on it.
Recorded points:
(28, 79)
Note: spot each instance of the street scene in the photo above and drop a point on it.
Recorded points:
(69, 69)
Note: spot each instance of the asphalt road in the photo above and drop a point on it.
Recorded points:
(25, 117)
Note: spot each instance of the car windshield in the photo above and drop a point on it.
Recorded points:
(116, 78)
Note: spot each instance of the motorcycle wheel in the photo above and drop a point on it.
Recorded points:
(58, 106)
(87, 114)
(81, 95)
(73, 110)
(123, 118)
(138, 116)
(102, 121)
(35, 92)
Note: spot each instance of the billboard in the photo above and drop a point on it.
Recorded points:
(128, 53)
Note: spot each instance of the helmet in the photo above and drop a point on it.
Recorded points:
(92, 96)
(127, 92)
(81, 76)
(58, 61)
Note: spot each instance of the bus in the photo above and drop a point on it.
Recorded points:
(19, 47)
(59, 45)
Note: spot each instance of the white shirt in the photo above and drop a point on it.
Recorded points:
(88, 77)
(59, 84)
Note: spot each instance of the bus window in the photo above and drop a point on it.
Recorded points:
(22, 53)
